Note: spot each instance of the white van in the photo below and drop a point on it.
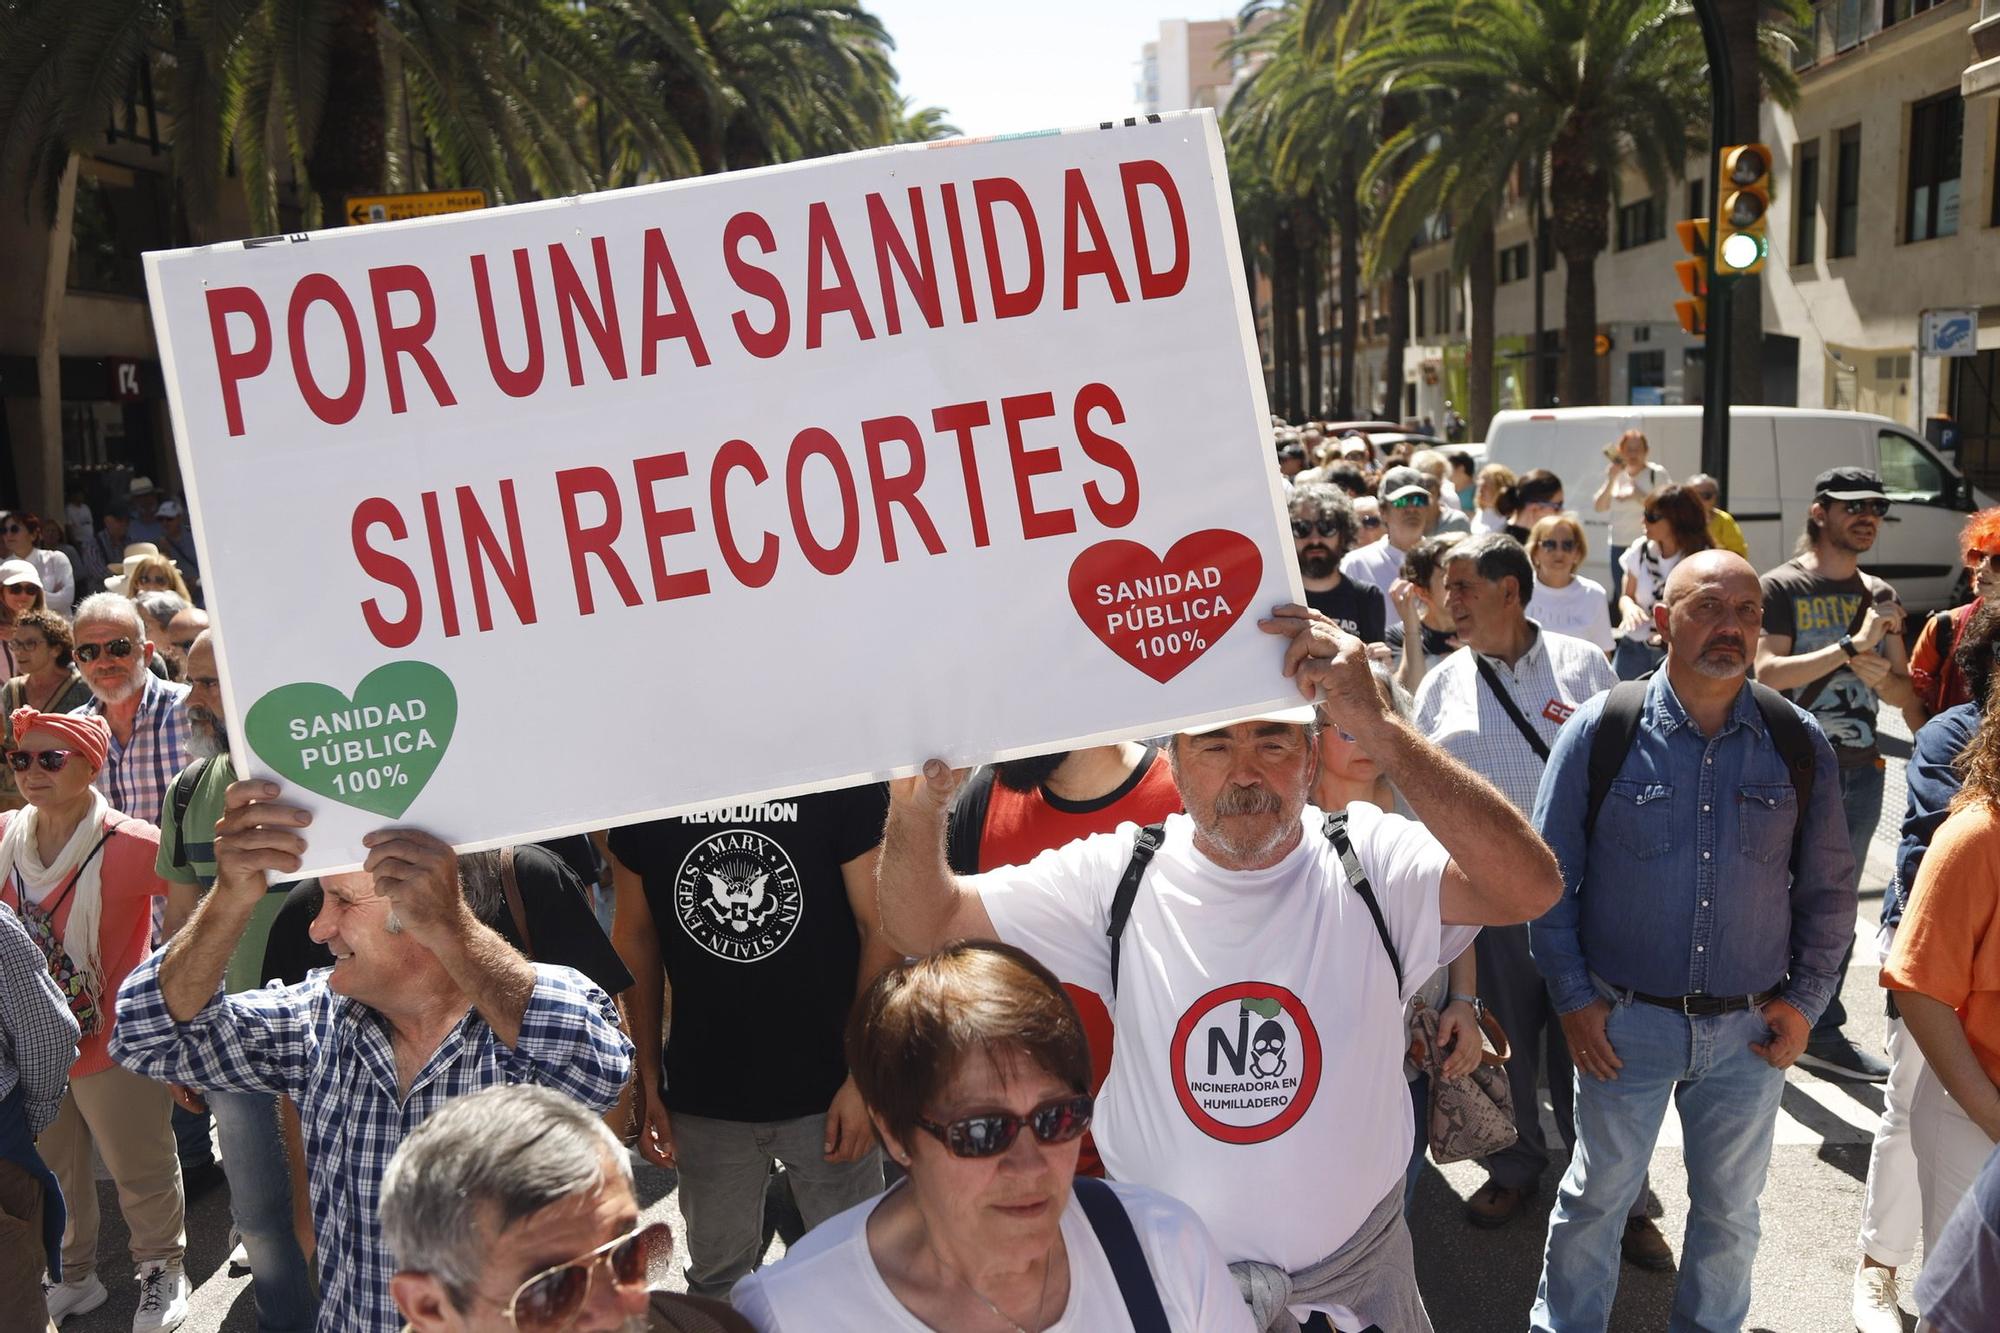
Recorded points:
(1774, 454)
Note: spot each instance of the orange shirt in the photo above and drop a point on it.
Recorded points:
(1948, 946)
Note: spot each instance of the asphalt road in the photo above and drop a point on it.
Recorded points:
(1473, 1281)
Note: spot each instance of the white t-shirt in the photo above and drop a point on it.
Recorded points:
(829, 1280)
(1578, 608)
(1258, 1074)
(1628, 502)
(1649, 565)
(1377, 564)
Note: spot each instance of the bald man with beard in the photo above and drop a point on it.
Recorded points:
(1698, 937)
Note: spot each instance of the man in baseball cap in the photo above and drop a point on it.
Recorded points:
(1833, 642)
(1409, 512)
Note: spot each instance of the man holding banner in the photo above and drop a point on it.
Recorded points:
(1302, 933)
(424, 1003)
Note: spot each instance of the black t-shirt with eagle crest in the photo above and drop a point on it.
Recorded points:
(760, 947)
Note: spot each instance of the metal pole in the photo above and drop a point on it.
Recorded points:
(1715, 357)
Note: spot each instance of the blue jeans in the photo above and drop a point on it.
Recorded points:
(1632, 659)
(260, 1203)
(1728, 1100)
(1861, 802)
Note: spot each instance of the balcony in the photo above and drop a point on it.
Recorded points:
(1838, 26)
(1982, 78)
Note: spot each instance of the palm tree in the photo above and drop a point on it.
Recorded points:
(923, 124)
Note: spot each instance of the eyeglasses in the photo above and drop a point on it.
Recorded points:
(52, 761)
(549, 1301)
(1410, 502)
(12, 529)
(1654, 516)
(1557, 544)
(89, 652)
(1369, 520)
(1706, 497)
(20, 590)
(1974, 559)
(31, 644)
(1056, 1121)
(1877, 508)
(1325, 527)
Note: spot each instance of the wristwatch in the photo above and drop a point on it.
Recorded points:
(1847, 646)
(1478, 1005)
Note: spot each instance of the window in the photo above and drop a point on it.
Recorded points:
(1909, 474)
(1514, 262)
(1805, 214)
(1846, 192)
(1646, 374)
(120, 214)
(1640, 224)
(1937, 141)
(1697, 198)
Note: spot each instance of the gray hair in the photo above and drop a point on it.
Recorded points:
(160, 605)
(505, 1152)
(482, 884)
(1496, 556)
(1318, 499)
(109, 606)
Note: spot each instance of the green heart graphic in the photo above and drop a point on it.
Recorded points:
(375, 751)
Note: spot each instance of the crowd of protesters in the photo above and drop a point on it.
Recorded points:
(1614, 830)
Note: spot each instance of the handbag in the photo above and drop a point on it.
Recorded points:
(69, 978)
(1472, 1115)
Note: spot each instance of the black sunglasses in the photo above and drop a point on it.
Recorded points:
(52, 761)
(21, 589)
(1056, 1121)
(90, 652)
(1654, 516)
(1557, 543)
(548, 1302)
(12, 528)
(1879, 508)
(1370, 520)
(1325, 527)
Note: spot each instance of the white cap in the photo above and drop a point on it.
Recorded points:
(1302, 716)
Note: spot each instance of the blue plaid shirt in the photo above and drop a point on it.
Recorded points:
(135, 776)
(332, 1056)
(37, 1031)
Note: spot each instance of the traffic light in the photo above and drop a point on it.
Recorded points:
(1745, 200)
(1693, 275)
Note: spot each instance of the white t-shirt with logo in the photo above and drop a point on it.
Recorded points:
(829, 1279)
(1258, 1075)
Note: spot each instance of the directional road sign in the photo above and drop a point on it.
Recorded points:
(366, 208)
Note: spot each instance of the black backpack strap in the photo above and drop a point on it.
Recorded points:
(183, 797)
(1148, 842)
(1113, 1226)
(1795, 747)
(1335, 829)
(1616, 726)
(965, 826)
(1508, 706)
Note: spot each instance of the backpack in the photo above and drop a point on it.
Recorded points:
(1335, 829)
(183, 793)
(1619, 724)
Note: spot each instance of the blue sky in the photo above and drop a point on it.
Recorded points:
(999, 68)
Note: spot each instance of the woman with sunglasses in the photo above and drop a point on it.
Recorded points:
(1564, 600)
(81, 877)
(148, 572)
(1676, 527)
(1933, 674)
(20, 593)
(975, 1070)
(47, 681)
(19, 537)
(1536, 496)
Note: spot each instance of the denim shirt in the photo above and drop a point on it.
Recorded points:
(1684, 887)
(1931, 782)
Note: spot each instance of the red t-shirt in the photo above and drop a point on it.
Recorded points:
(125, 929)
(1019, 826)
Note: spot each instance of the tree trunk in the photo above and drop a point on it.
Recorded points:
(1399, 339)
(1284, 321)
(1482, 282)
(1580, 222)
(1746, 302)
(1309, 274)
(1348, 221)
(38, 463)
(349, 152)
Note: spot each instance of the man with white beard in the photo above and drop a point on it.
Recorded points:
(145, 714)
(253, 1148)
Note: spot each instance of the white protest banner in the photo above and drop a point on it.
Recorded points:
(562, 515)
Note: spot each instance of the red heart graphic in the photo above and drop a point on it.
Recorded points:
(1161, 613)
